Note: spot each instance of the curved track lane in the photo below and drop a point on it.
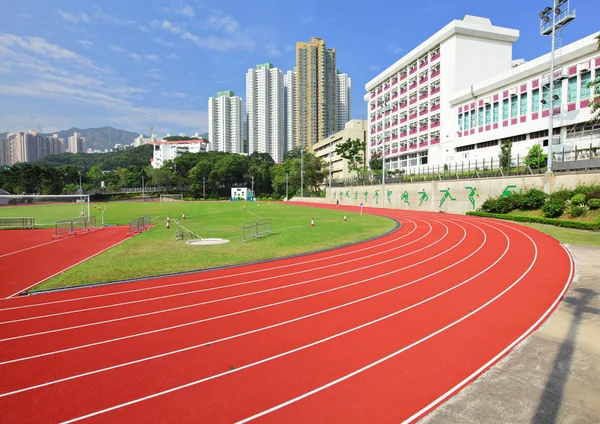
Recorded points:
(381, 331)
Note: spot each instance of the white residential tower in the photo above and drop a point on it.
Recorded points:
(225, 122)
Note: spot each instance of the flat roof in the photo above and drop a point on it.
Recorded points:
(179, 142)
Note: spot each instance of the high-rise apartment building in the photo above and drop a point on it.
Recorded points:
(316, 81)
(264, 106)
(226, 123)
(29, 146)
(344, 100)
(77, 144)
(289, 110)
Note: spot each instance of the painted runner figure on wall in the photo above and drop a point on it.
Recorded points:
(447, 195)
(404, 197)
(472, 195)
(389, 196)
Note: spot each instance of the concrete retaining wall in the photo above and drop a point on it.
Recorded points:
(456, 196)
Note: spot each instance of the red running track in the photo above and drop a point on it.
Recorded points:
(382, 331)
(28, 257)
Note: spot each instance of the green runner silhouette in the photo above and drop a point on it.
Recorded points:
(366, 193)
(376, 197)
(404, 197)
(389, 196)
(424, 197)
(472, 195)
(446, 195)
(356, 195)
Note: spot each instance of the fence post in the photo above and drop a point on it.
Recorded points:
(576, 152)
(539, 160)
(518, 165)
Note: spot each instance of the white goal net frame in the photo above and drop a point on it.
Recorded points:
(171, 197)
(39, 199)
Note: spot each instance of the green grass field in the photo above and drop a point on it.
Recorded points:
(567, 235)
(158, 252)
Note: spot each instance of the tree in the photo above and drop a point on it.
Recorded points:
(353, 151)
(535, 158)
(376, 162)
(505, 155)
(595, 86)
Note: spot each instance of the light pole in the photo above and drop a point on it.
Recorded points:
(302, 170)
(287, 174)
(330, 162)
(204, 187)
(552, 19)
(143, 188)
(386, 108)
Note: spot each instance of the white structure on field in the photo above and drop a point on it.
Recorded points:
(264, 106)
(289, 104)
(225, 122)
(453, 98)
(241, 193)
(164, 151)
(344, 100)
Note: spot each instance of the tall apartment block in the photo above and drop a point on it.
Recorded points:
(77, 144)
(226, 122)
(265, 110)
(344, 100)
(289, 110)
(29, 146)
(316, 81)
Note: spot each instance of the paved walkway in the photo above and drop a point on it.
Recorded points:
(552, 377)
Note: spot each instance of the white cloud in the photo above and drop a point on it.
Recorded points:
(25, 16)
(171, 27)
(159, 40)
(117, 49)
(173, 56)
(186, 10)
(152, 57)
(136, 57)
(111, 19)
(374, 68)
(395, 49)
(218, 44)
(85, 43)
(272, 49)
(218, 21)
(73, 17)
(173, 94)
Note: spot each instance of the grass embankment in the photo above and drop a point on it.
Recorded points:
(567, 235)
(158, 252)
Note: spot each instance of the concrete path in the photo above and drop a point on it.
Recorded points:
(554, 375)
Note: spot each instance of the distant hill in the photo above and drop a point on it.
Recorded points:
(98, 138)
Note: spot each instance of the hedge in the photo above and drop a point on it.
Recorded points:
(591, 226)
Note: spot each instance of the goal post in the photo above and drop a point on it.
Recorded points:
(171, 197)
(60, 206)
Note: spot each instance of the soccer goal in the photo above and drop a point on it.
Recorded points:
(46, 208)
(171, 197)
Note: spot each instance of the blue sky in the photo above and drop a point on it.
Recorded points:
(138, 64)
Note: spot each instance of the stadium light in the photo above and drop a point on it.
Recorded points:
(560, 15)
(330, 162)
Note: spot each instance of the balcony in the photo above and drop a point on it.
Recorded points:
(423, 96)
(412, 116)
(435, 124)
(394, 82)
(394, 123)
(404, 90)
(373, 119)
(387, 112)
(403, 105)
(394, 151)
(379, 117)
(379, 91)
(412, 132)
(394, 96)
(413, 146)
(372, 107)
(379, 129)
(412, 86)
(403, 120)
(435, 90)
(372, 95)
(403, 149)
(412, 71)
(423, 144)
(434, 141)
(423, 64)
(423, 112)
(402, 76)
(395, 137)
(423, 128)
(412, 101)
(372, 131)
(372, 143)
(436, 107)
(403, 134)
(435, 56)
(423, 80)
(435, 74)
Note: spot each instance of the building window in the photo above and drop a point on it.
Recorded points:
(488, 114)
(585, 91)
(480, 118)
(523, 106)
(467, 121)
(535, 100)
(472, 119)
(545, 98)
(504, 109)
(572, 90)
(495, 113)
(513, 106)
(460, 122)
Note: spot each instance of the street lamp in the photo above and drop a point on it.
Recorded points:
(302, 170)
(330, 161)
(386, 108)
(552, 19)
(287, 175)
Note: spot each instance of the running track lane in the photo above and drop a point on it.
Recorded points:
(26, 268)
(421, 374)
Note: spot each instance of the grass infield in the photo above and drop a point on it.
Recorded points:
(156, 251)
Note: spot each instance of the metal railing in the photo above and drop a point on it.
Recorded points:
(577, 159)
(17, 223)
(139, 224)
(256, 228)
(74, 226)
(154, 189)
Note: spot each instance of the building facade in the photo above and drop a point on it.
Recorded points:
(164, 151)
(226, 122)
(452, 99)
(344, 100)
(289, 110)
(141, 140)
(316, 81)
(29, 146)
(265, 111)
(77, 144)
(325, 149)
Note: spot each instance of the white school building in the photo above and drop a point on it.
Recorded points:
(456, 96)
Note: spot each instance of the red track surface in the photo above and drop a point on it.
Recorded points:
(28, 257)
(378, 332)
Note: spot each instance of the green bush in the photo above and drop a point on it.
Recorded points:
(501, 205)
(577, 210)
(561, 195)
(533, 199)
(578, 199)
(553, 209)
(583, 189)
(594, 203)
(578, 225)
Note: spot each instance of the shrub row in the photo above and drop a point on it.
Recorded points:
(592, 226)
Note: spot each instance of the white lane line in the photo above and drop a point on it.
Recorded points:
(268, 327)
(243, 283)
(211, 318)
(244, 273)
(289, 352)
(29, 248)
(66, 269)
(236, 296)
(394, 354)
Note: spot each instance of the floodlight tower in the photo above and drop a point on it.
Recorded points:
(552, 19)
